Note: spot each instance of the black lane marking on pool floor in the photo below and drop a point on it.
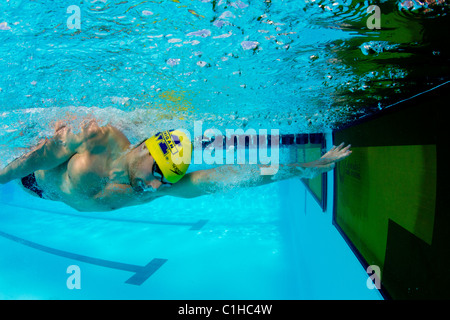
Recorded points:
(194, 225)
(140, 273)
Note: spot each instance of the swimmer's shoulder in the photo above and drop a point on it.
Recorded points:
(93, 136)
(117, 136)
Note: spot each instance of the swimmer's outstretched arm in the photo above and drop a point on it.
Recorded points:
(231, 176)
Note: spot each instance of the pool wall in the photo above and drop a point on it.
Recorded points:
(390, 195)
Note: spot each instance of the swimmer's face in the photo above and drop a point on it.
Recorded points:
(140, 167)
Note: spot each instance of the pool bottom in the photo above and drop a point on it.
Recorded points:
(218, 261)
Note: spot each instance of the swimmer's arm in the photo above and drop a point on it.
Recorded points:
(227, 177)
(312, 169)
(48, 154)
(45, 156)
(190, 186)
(224, 177)
(117, 195)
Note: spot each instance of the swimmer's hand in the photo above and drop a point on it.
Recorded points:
(329, 159)
(335, 154)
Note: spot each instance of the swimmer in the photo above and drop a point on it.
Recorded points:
(98, 169)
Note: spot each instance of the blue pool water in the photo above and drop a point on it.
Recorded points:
(268, 242)
(146, 66)
(298, 66)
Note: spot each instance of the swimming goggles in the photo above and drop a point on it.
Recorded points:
(156, 172)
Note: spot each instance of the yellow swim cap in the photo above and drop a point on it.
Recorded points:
(171, 150)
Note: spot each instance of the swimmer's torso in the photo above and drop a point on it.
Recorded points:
(79, 180)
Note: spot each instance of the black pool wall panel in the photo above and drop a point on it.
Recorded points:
(390, 195)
